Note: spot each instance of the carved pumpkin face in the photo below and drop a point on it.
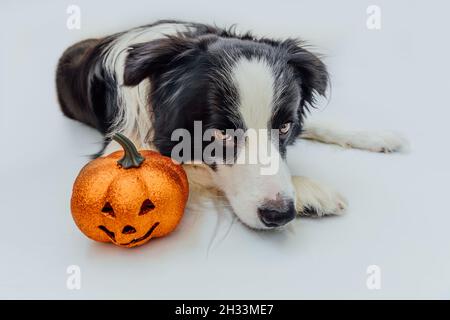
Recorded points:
(129, 199)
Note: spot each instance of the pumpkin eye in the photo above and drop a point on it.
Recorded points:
(108, 210)
(146, 207)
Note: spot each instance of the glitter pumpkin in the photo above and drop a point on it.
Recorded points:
(129, 196)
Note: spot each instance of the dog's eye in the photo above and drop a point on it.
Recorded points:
(222, 135)
(285, 127)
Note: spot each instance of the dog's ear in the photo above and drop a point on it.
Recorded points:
(311, 72)
(150, 58)
(154, 57)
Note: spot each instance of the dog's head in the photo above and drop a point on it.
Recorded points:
(245, 95)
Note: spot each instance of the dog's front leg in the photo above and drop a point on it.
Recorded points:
(313, 199)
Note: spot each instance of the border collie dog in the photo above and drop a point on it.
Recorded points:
(149, 81)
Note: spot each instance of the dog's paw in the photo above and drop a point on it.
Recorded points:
(375, 141)
(324, 204)
(382, 141)
(314, 200)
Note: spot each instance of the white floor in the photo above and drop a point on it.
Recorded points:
(398, 219)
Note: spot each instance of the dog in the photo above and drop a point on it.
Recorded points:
(152, 80)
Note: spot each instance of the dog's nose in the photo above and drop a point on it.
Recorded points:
(128, 230)
(277, 217)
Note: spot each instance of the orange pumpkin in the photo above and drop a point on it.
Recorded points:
(129, 197)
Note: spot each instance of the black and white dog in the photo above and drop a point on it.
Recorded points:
(149, 81)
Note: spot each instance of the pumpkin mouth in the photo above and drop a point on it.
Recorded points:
(112, 235)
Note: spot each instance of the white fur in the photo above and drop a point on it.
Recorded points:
(255, 85)
(375, 141)
(247, 189)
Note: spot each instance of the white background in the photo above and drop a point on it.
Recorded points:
(399, 217)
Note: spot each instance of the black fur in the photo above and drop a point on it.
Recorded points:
(186, 74)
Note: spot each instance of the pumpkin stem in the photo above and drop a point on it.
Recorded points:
(132, 158)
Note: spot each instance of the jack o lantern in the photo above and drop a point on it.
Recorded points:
(129, 197)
